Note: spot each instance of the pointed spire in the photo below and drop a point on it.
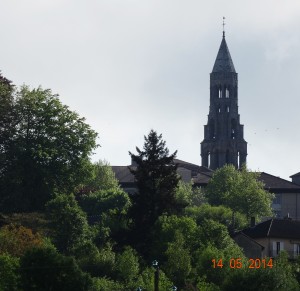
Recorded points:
(223, 61)
(223, 27)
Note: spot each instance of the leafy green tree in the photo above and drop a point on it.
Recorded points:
(48, 151)
(111, 201)
(219, 213)
(98, 262)
(239, 190)
(216, 234)
(102, 178)
(9, 273)
(67, 221)
(156, 180)
(7, 127)
(168, 228)
(178, 265)
(105, 284)
(187, 195)
(45, 269)
(127, 265)
(146, 280)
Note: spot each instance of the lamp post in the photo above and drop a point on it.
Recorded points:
(156, 275)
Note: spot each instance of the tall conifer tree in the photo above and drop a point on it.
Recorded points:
(156, 179)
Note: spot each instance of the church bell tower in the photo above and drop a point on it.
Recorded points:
(223, 135)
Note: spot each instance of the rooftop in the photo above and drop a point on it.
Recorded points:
(223, 61)
(275, 228)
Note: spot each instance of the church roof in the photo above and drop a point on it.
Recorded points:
(201, 176)
(223, 61)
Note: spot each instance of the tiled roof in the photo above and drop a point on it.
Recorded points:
(223, 61)
(295, 175)
(201, 176)
(123, 174)
(192, 167)
(275, 228)
(276, 183)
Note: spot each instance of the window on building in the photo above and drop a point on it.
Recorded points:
(276, 204)
(220, 93)
(277, 199)
(227, 108)
(277, 247)
(227, 93)
(297, 249)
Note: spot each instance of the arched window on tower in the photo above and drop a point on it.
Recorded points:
(219, 109)
(208, 160)
(238, 161)
(227, 93)
(227, 108)
(220, 93)
(233, 129)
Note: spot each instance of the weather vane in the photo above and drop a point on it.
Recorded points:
(223, 26)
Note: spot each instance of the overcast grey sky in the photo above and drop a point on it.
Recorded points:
(132, 65)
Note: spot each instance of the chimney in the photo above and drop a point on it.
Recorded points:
(252, 221)
(296, 178)
(133, 163)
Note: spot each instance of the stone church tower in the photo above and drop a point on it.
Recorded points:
(223, 135)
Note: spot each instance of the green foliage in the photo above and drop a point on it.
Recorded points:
(184, 193)
(187, 195)
(105, 284)
(178, 265)
(108, 208)
(156, 179)
(278, 278)
(216, 234)
(240, 191)
(146, 280)
(9, 273)
(15, 240)
(45, 269)
(168, 228)
(111, 201)
(204, 286)
(7, 116)
(102, 178)
(219, 213)
(97, 262)
(127, 265)
(47, 150)
(68, 222)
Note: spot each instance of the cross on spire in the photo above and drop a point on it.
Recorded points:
(224, 26)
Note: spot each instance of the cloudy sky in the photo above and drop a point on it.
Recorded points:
(129, 66)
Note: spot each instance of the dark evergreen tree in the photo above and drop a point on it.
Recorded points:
(156, 179)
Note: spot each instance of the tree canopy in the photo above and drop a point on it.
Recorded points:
(239, 190)
(156, 180)
(45, 145)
